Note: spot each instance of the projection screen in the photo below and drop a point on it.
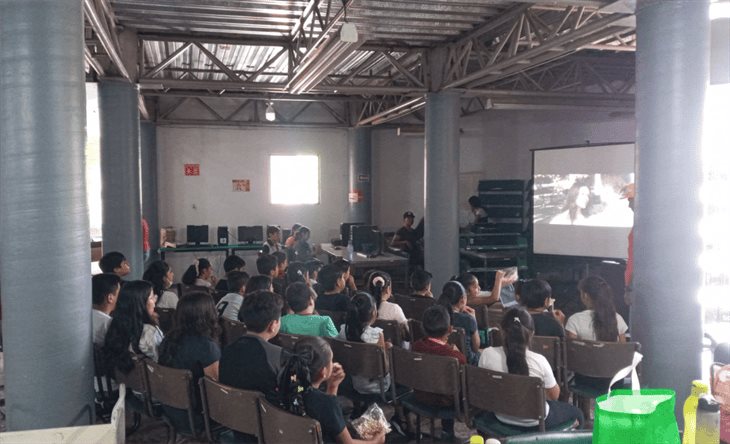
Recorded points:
(578, 207)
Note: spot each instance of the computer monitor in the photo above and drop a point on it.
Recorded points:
(197, 234)
(364, 238)
(345, 230)
(250, 234)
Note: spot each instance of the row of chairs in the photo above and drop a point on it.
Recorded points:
(223, 407)
(473, 390)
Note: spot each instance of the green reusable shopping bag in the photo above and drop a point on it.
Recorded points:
(635, 416)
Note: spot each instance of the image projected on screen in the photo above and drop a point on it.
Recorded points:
(576, 200)
(582, 199)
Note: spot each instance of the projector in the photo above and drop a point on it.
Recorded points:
(348, 33)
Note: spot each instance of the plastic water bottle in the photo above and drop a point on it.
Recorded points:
(708, 421)
(690, 411)
(350, 251)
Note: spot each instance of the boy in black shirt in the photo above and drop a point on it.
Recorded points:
(252, 363)
(535, 296)
(332, 279)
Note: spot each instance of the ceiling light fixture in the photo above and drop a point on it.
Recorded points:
(331, 49)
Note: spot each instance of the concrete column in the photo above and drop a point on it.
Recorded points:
(672, 75)
(359, 143)
(120, 172)
(148, 155)
(44, 217)
(441, 194)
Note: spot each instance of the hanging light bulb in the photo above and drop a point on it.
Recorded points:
(270, 113)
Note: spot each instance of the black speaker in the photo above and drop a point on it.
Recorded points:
(222, 235)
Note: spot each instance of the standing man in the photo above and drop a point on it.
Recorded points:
(407, 238)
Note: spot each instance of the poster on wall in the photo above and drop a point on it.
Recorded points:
(192, 169)
(243, 185)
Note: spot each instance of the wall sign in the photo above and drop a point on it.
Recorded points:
(192, 169)
(355, 196)
(363, 178)
(241, 185)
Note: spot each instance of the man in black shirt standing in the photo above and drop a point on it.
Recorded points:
(407, 239)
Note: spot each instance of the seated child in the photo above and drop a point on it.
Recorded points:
(381, 287)
(421, 283)
(161, 276)
(309, 368)
(516, 357)
(200, 274)
(303, 321)
(358, 328)
(453, 297)
(437, 326)
(252, 362)
(232, 263)
(273, 240)
(535, 296)
(297, 272)
(350, 287)
(313, 266)
(332, 298)
(115, 262)
(230, 304)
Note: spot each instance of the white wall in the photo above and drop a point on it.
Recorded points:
(493, 145)
(234, 153)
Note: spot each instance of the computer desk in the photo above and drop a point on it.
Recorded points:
(385, 261)
(228, 249)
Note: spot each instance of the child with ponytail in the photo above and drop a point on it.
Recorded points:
(361, 314)
(308, 368)
(516, 358)
(453, 297)
(599, 322)
(381, 287)
(200, 274)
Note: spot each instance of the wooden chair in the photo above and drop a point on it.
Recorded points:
(552, 348)
(437, 375)
(280, 426)
(416, 328)
(287, 341)
(136, 381)
(494, 317)
(167, 318)
(363, 360)
(480, 313)
(230, 407)
(596, 359)
(491, 393)
(173, 388)
(232, 330)
(458, 338)
(338, 317)
(413, 306)
(392, 331)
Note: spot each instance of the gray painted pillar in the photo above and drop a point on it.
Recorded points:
(359, 142)
(120, 172)
(441, 179)
(148, 154)
(672, 74)
(44, 218)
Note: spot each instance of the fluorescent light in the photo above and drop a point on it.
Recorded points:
(270, 112)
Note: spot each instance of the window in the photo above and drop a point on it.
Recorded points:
(295, 180)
